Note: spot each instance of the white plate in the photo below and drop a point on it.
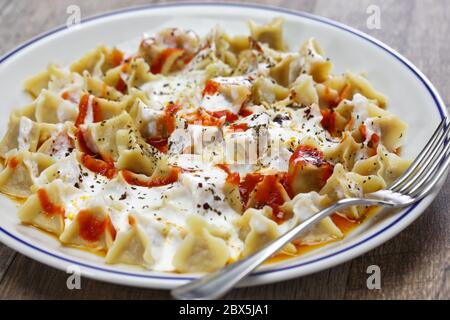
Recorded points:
(410, 93)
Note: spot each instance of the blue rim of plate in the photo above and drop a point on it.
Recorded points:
(425, 82)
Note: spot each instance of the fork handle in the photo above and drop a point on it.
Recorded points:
(216, 284)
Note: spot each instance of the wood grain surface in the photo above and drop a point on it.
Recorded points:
(414, 265)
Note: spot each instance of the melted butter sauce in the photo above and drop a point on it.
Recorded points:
(100, 253)
(17, 200)
(345, 225)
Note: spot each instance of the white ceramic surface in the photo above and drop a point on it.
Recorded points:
(410, 94)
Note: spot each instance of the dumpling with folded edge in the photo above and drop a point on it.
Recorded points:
(264, 90)
(99, 88)
(98, 61)
(270, 33)
(250, 62)
(109, 108)
(146, 117)
(163, 240)
(364, 119)
(314, 63)
(131, 246)
(100, 136)
(60, 144)
(390, 129)
(385, 164)
(25, 134)
(231, 191)
(361, 85)
(345, 152)
(219, 68)
(220, 45)
(256, 229)
(52, 108)
(55, 80)
(202, 250)
(226, 93)
(131, 74)
(67, 170)
(21, 170)
(309, 169)
(36, 83)
(27, 111)
(343, 184)
(356, 111)
(333, 90)
(90, 228)
(65, 83)
(22, 133)
(304, 206)
(287, 69)
(135, 154)
(303, 91)
(169, 50)
(45, 208)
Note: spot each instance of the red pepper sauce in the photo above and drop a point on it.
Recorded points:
(82, 143)
(165, 127)
(131, 220)
(82, 110)
(91, 227)
(233, 177)
(203, 118)
(344, 93)
(244, 112)
(65, 95)
(82, 114)
(333, 101)
(121, 86)
(266, 193)
(301, 250)
(159, 143)
(229, 116)
(47, 205)
(110, 228)
(283, 179)
(362, 129)
(169, 120)
(239, 127)
(96, 111)
(12, 162)
(373, 142)
(133, 179)
(248, 184)
(344, 224)
(161, 59)
(211, 88)
(104, 168)
(117, 57)
(328, 121)
(307, 155)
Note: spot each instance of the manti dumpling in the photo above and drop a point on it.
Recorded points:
(188, 152)
(203, 250)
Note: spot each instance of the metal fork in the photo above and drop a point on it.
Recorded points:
(416, 183)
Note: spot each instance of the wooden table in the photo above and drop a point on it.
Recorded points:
(413, 266)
